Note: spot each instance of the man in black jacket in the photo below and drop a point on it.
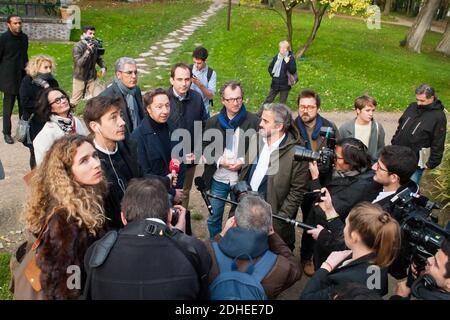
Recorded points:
(118, 156)
(187, 112)
(125, 86)
(423, 127)
(13, 59)
(232, 125)
(308, 123)
(150, 259)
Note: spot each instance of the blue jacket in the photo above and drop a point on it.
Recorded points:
(151, 156)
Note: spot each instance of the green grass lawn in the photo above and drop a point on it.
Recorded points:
(4, 277)
(126, 30)
(345, 61)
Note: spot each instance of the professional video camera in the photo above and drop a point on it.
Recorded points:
(98, 44)
(421, 235)
(324, 157)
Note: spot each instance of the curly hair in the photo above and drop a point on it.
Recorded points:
(35, 63)
(43, 107)
(54, 187)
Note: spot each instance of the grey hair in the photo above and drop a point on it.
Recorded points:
(426, 89)
(253, 213)
(282, 114)
(123, 61)
(233, 84)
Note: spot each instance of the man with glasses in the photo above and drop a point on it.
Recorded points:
(13, 59)
(234, 123)
(186, 111)
(125, 86)
(423, 127)
(309, 122)
(85, 56)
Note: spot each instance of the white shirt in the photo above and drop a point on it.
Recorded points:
(231, 155)
(263, 162)
(383, 195)
(362, 132)
(202, 75)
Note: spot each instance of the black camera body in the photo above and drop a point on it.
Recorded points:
(324, 157)
(421, 235)
(98, 45)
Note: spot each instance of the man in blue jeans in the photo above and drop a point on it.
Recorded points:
(230, 128)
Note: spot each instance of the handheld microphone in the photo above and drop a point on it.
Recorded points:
(201, 187)
(174, 165)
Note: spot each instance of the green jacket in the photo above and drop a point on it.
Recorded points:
(287, 185)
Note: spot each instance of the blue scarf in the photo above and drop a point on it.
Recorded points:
(304, 134)
(226, 123)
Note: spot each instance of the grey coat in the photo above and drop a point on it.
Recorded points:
(376, 140)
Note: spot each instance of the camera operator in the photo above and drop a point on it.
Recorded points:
(149, 258)
(351, 183)
(434, 282)
(309, 122)
(250, 232)
(86, 54)
(373, 238)
(272, 171)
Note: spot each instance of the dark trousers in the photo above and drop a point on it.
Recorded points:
(8, 105)
(273, 93)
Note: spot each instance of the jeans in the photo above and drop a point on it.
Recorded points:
(215, 221)
(417, 175)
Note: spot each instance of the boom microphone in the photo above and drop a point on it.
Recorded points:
(201, 187)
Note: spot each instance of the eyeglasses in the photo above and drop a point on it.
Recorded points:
(59, 100)
(238, 99)
(309, 108)
(129, 73)
(378, 166)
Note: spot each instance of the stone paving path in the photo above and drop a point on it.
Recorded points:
(157, 57)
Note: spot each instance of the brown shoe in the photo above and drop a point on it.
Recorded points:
(308, 268)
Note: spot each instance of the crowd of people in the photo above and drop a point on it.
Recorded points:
(109, 194)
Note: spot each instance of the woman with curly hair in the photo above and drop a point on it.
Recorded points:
(66, 207)
(54, 108)
(39, 77)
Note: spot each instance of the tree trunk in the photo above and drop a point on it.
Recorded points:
(408, 8)
(387, 7)
(421, 25)
(443, 9)
(318, 15)
(289, 26)
(444, 45)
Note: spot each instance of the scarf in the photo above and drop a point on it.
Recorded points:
(67, 125)
(226, 123)
(131, 101)
(304, 133)
(42, 79)
(277, 67)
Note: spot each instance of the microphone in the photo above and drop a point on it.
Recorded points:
(174, 165)
(201, 187)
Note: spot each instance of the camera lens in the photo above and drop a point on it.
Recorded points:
(303, 154)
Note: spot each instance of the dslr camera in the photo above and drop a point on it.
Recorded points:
(324, 157)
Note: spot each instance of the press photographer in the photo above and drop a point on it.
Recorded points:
(86, 54)
(150, 258)
(352, 182)
(434, 282)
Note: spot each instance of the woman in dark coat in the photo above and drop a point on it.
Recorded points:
(282, 63)
(373, 237)
(153, 141)
(351, 182)
(39, 77)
